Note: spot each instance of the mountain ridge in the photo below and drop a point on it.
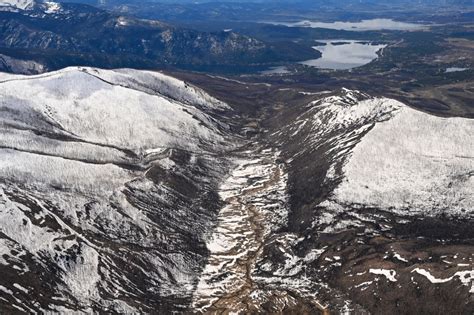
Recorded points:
(76, 34)
(132, 191)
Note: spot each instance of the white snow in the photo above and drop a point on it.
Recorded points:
(388, 273)
(364, 285)
(66, 138)
(340, 114)
(20, 65)
(19, 4)
(156, 82)
(255, 196)
(52, 7)
(313, 255)
(41, 172)
(15, 224)
(103, 117)
(87, 107)
(397, 256)
(466, 277)
(392, 157)
(21, 288)
(410, 161)
(122, 21)
(81, 276)
(5, 290)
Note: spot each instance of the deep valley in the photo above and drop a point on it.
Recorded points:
(157, 167)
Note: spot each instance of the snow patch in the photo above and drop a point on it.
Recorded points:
(397, 256)
(388, 273)
(466, 277)
(52, 7)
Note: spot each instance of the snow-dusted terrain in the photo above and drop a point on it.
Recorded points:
(29, 8)
(389, 156)
(99, 171)
(415, 163)
(18, 4)
(126, 191)
(256, 206)
(378, 154)
(106, 120)
(125, 116)
(380, 194)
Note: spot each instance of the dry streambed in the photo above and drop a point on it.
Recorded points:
(256, 206)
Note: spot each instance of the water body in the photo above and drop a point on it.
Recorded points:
(364, 25)
(344, 54)
(455, 69)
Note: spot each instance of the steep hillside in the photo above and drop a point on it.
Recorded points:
(108, 184)
(380, 205)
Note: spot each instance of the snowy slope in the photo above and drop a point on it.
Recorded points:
(377, 192)
(414, 162)
(106, 123)
(382, 153)
(150, 82)
(114, 198)
(109, 108)
(14, 65)
(409, 161)
(107, 183)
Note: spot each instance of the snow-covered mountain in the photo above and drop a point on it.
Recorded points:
(380, 204)
(387, 155)
(18, 4)
(126, 191)
(106, 181)
(412, 163)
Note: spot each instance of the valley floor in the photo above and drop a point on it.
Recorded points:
(256, 205)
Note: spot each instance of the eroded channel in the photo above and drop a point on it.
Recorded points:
(256, 206)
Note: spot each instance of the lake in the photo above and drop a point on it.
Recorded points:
(364, 25)
(344, 54)
(455, 69)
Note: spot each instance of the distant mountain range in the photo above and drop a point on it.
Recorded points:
(58, 35)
